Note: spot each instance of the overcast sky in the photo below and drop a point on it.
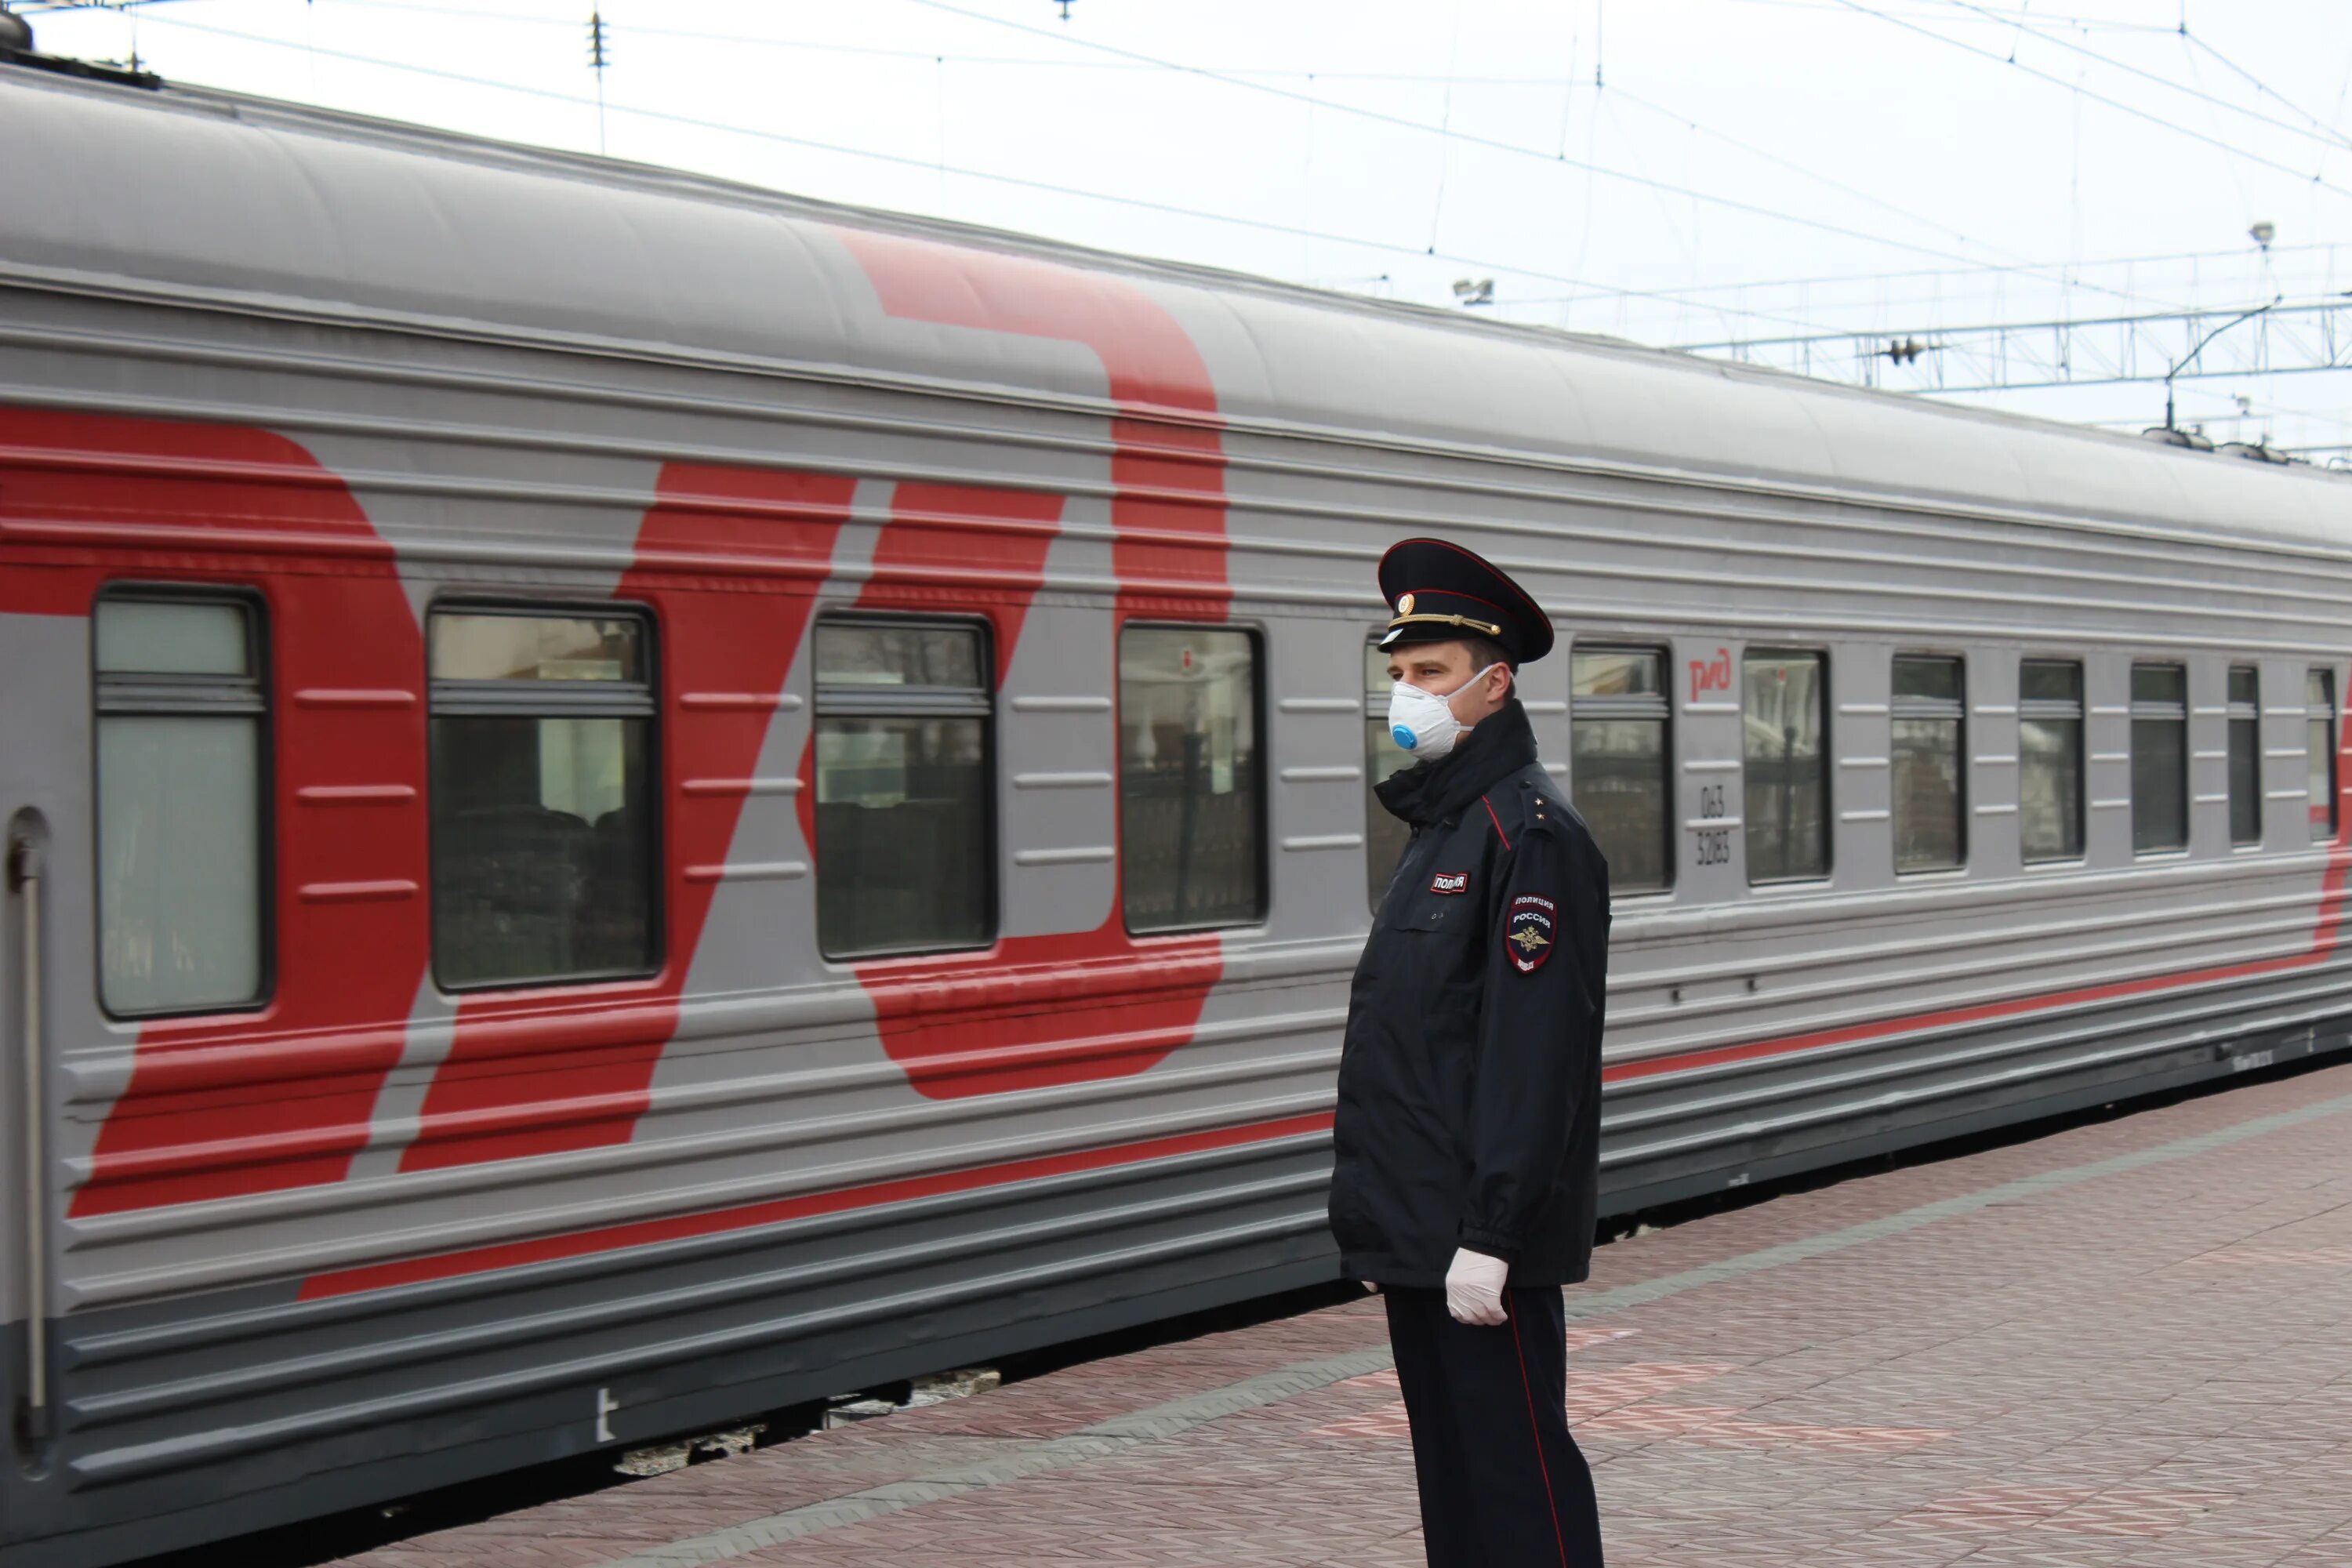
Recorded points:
(1925, 166)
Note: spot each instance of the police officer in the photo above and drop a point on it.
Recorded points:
(1469, 1117)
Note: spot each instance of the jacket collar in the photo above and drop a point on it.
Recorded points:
(1496, 747)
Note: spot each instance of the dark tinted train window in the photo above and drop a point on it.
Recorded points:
(183, 866)
(1620, 763)
(2245, 754)
(2319, 748)
(905, 841)
(1192, 799)
(1385, 833)
(1784, 717)
(2050, 759)
(543, 796)
(1928, 718)
(2159, 757)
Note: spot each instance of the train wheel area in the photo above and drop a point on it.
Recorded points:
(2127, 1342)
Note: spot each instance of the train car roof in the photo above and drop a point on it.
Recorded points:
(237, 200)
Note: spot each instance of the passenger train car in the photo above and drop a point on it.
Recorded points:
(631, 800)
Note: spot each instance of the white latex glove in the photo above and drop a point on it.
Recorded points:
(1474, 1288)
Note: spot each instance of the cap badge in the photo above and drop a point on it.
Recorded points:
(1405, 604)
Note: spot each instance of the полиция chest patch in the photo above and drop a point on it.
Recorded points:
(1527, 933)
(1450, 882)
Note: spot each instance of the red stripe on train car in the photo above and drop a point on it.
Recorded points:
(716, 1221)
(508, 1089)
(279, 1096)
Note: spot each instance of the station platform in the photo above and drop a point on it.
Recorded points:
(2127, 1343)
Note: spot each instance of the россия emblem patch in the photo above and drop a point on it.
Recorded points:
(1527, 933)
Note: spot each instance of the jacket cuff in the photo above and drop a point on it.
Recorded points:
(1493, 1243)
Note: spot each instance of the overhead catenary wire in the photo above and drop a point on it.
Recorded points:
(1406, 122)
(1603, 171)
(2002, 14)
(1135, 60)
(929, 57)
(2326, 135)
(1039, 63)
(1967, 269)
(1050, 188)
(2198, 41)
(1794, 167)
(2138, 113)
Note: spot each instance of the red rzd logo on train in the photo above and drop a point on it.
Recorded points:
(1528, 934)
(1450, 882)
(1710, 674)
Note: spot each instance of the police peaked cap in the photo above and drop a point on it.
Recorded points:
(1443, 593)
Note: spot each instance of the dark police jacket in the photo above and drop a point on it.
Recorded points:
(1470, 1078)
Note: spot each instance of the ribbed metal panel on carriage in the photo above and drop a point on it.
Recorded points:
(957, 848)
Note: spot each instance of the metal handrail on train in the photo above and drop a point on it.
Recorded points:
(25, 880)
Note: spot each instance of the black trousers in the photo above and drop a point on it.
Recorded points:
(1502, 1483)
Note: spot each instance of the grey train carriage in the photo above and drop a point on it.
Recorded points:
(630, 800)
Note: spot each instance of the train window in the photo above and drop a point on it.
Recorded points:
(1385, 833)
(1784, 722)
(183, 860)
(2159, 757)
(543, 796)
(1928, 717)
(2050, 759)
(1620, 760)
(2319, 746)
(1192, 803)
(906, 849)
(2245, 754)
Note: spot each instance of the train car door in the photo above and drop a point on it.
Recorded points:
(41, 658)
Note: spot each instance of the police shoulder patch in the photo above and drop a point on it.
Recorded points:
(1529, 931)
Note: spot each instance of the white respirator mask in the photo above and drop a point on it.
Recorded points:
(1423, 723)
